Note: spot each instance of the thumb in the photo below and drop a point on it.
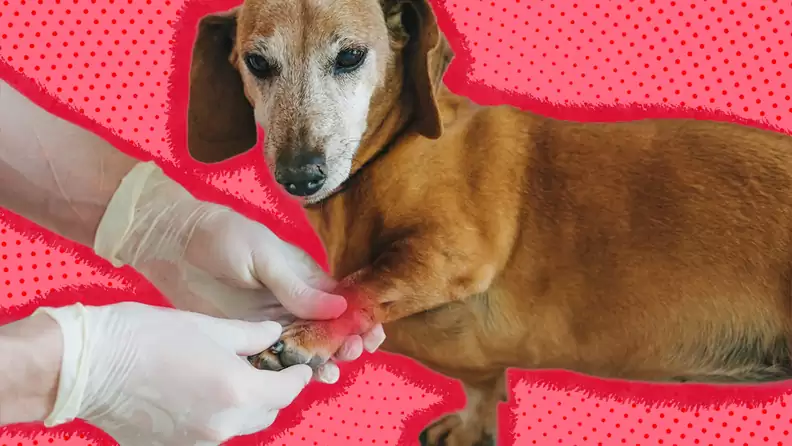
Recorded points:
(243, 337)
(299, 298)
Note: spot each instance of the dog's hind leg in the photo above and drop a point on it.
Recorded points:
(476, 424)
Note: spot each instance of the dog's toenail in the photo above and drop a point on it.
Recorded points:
(254, 361)
(277, 348)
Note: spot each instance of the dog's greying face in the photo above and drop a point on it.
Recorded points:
(309, 69)
(307, 72)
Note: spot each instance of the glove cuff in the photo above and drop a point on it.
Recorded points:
(73, 378)
(150, 217)
(119, 216)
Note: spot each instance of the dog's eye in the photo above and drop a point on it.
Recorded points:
(258, 65)
(349, 60)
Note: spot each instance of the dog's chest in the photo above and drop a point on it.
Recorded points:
(349, 240)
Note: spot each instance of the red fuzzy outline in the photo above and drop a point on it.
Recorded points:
(189, 172)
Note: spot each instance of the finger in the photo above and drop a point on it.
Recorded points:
(245, 338)
(320, 280)
(281, 388)
(351, 350)
(374, 338)
(259, 337)
(306, 268)
(300, 299)
(327, 373)
(315, 276)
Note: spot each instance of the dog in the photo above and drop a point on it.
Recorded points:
(488, 237)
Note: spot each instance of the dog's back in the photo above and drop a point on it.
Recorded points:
(660, 249)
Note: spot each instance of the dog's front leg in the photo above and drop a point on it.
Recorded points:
(415, 275)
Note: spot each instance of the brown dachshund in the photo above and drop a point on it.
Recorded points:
(489, 237)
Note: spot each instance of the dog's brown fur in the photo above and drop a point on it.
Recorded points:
(489, 237)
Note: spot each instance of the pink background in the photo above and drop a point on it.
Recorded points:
(120, 69)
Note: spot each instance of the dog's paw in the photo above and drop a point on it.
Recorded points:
(304, 342)
(450, 431)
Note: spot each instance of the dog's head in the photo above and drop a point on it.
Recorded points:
(319, 76)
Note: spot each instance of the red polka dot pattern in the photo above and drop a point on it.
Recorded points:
(726, 54)
(30, 269)
(111, 60)
(545, 415)
(107, 59)
(43, 438)
(369, 412)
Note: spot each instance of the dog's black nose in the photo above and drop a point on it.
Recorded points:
(302, 178)
(303, 184)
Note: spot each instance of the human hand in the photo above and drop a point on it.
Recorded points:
(159, 376)
(207, 258)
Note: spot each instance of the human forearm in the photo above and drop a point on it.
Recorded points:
(53, 172)
(31, 349)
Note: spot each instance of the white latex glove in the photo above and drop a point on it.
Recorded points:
(159, 376)
(208, 258)
(64, 177)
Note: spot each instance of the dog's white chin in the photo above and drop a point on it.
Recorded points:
(317, 197)
(327, 190)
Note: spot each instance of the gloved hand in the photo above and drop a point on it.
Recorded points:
(159, 376)
(207, 258)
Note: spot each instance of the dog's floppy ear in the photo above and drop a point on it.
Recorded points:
(220, 120)
(426, 57)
